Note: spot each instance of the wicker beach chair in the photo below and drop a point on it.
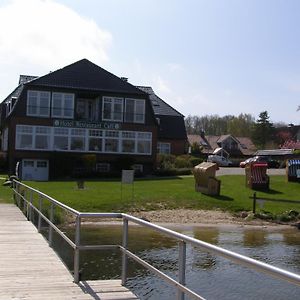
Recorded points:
(256, 176)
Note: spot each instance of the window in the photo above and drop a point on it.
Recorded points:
(138, 168)
(86, 109)
(112, 109)
(42, 137)
(62, 105)
(135, 110)
(78, 139)
(24, 138)
(41, 164)
(38, 103)
(128, 142)
(164, 148)
(102, 167)
(95, 140)
(111, 142)
(61, 139)
(144, 142)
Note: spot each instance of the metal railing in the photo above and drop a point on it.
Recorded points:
(31, 200)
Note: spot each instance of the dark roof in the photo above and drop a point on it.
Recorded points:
(210, 142)
(85, 75)
(15, 93)
(160, 107)
(171, 127)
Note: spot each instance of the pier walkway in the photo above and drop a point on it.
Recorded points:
(30, 269)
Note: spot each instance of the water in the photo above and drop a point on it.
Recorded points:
(212, 277)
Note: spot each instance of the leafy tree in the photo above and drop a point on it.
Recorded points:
(216, 125)
(263, 130)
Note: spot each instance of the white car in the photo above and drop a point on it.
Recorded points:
(220, 157)
(220, 160)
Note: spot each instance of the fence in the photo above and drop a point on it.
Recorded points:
(31, 200)
(255, 199)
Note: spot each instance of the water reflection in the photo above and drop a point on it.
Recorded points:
(213, 277)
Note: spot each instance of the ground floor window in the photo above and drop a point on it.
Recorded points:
(164, 148)
(138, 168)
(82, 140)
(102, 167)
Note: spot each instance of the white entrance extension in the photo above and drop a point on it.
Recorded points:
(35, 169)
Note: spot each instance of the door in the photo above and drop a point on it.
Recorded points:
(35, 169)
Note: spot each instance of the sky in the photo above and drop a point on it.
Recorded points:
(203, 57)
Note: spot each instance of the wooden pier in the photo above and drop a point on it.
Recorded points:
(30, 269)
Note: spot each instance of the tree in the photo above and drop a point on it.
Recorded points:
(263, 130)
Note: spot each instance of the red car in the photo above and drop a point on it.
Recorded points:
(266, 159)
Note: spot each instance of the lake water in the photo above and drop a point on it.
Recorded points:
(212, 277)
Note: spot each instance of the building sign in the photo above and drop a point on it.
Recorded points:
(127, 176)
(88, 125)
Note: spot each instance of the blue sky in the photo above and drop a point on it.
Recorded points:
(202, 57)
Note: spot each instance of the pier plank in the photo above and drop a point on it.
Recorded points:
(30, 269)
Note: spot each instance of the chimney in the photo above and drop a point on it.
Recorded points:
(124, 79)
(26, 78)
(202, 133)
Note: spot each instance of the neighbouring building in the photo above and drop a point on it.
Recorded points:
(235, 146)
(84, 117)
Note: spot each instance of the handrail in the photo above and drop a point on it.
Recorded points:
(181, 238)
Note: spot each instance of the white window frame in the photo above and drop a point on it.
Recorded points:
(138, 168)
(38, 105)
(161, 146)
(113, 101)
(4, 145)
(84, 134)
(135, 115)
(102, 167)
(63, 104)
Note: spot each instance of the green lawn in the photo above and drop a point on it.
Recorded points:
(105, 195)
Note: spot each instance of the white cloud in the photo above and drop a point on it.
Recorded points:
(173, 67)
(162, 86)
(43, 35)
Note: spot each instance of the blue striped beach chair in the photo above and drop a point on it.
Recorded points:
(293, 170)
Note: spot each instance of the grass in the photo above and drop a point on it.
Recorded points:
(168, 193)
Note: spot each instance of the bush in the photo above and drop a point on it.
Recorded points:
(183, 162)
(165, 161)
(195, 161)
(173, 172)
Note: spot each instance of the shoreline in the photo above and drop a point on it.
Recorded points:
(194, 218)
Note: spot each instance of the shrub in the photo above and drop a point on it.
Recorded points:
(183, 162)
(173, 172)
(165, 161)
(196, 161)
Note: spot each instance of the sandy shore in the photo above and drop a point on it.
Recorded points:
(200, 217)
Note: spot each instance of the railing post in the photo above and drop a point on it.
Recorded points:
(124, 256)
(18, 195)
(254, 202)
(76, 250)
(40, 211)
(181, 268)
(30, 207)
(50, 226)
